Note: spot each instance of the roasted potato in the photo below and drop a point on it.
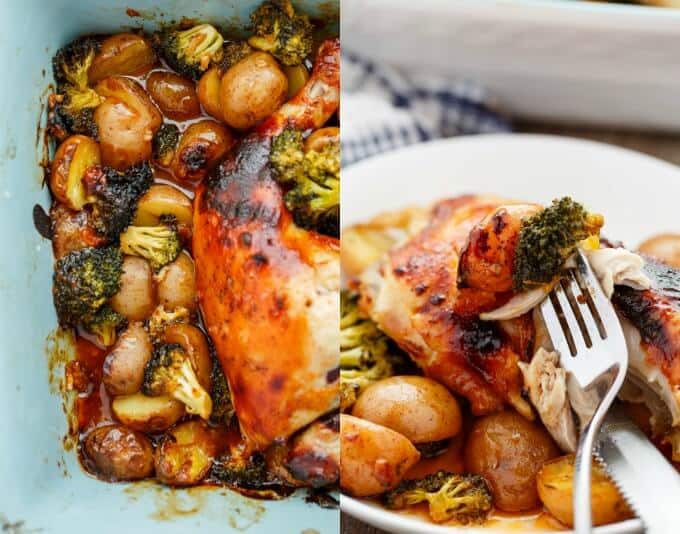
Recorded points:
(251, 90)
(127, 121)
(174, 95)
(176, 284)
(508, 451)
(664, 247)
(73, 157)
(373, 458)
(118, 453)
(148, 414)
(419, 408)
(162, 199)
(71, 231)
(209, 93)
(194, 343)
(297, 77)
(136, 298)
(321, 137)
(123, 370)
(185, 456)
(555, 489)
(121, 54)
(201, 147)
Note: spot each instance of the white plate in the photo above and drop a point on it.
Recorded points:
(637, 194)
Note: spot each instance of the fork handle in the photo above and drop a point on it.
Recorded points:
(583, 523)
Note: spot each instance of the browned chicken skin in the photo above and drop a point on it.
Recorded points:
(268, 290)
(414, 296)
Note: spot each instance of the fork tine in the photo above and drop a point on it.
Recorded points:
(552, 323)
(572, 322)
(602, 304)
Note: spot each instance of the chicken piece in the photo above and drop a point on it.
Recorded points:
(414, 297)
(268, 290)
(314, 457)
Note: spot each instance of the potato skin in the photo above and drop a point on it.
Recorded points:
(555, 488)
(174, 95)
(176, 284)
(136, 298)
(124, 54)
(373, 459)
(163, 199)
(123, 370)
(419, 408)
(208, 90)
(201, 147)
(509, 451)
(118, 453)
(186, 455)
(147, 414)
(251, 90)
(73, 157)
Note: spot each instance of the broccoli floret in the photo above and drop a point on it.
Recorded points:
(75, 102)
(165, 143)
(170, 372)
(313, 178)
(280, 31)
(236, 469)
(223, 408)
(232, 53)
(190, 52)
(105, 324)
(548, 238)
(461, 498)
(161, 318)
(159, 245)
(112, 196)
(83, 281)
(366, 354)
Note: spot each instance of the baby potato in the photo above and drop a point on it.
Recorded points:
(118, 453)
(136, 297)
(419, 408)
(193, 341)
(297, 78)
(373, 459)
(73, 157)
(121, 54)
(163, 199)
(174, 95)
(147, 414)
(185, 456)
(665, 247)
(201, 147)
(176, 284)
(71, 231)
(322, 137)
(508, 451)
(127, 121)
(251, 90)
(209, 93)
(123, 370)
(555, 488)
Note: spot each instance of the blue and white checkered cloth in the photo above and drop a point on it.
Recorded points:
(382, 109)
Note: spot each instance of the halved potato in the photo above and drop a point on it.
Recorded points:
(73, 157)
(555, 487)
(163, 199)
(124, 54)
(148, 414)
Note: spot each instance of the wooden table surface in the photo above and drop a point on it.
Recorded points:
(663, 146)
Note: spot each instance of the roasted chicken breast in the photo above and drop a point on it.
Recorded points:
(268, 290)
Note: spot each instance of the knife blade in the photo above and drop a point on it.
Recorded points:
(646, 479)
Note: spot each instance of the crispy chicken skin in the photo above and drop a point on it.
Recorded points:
(314, 456)
(268, 290)
(414, 296)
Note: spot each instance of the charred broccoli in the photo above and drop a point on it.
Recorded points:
(462, 498)
(190, 52)
(366, 354)
(548, 238)
(83, 281)
(223, 408)
(238, 470)
(313, 178)
(159, 245)
(161, 318)
(104, 324)
(281, 32)
(112, 196)
(73, 112)
(165, 142)
(170, 372)
(232, 53)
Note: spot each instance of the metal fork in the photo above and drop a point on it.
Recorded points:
(586, 332)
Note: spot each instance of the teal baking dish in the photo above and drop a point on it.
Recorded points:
(44, 488)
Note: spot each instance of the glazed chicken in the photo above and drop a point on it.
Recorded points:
(446, 294)
(269, 290)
